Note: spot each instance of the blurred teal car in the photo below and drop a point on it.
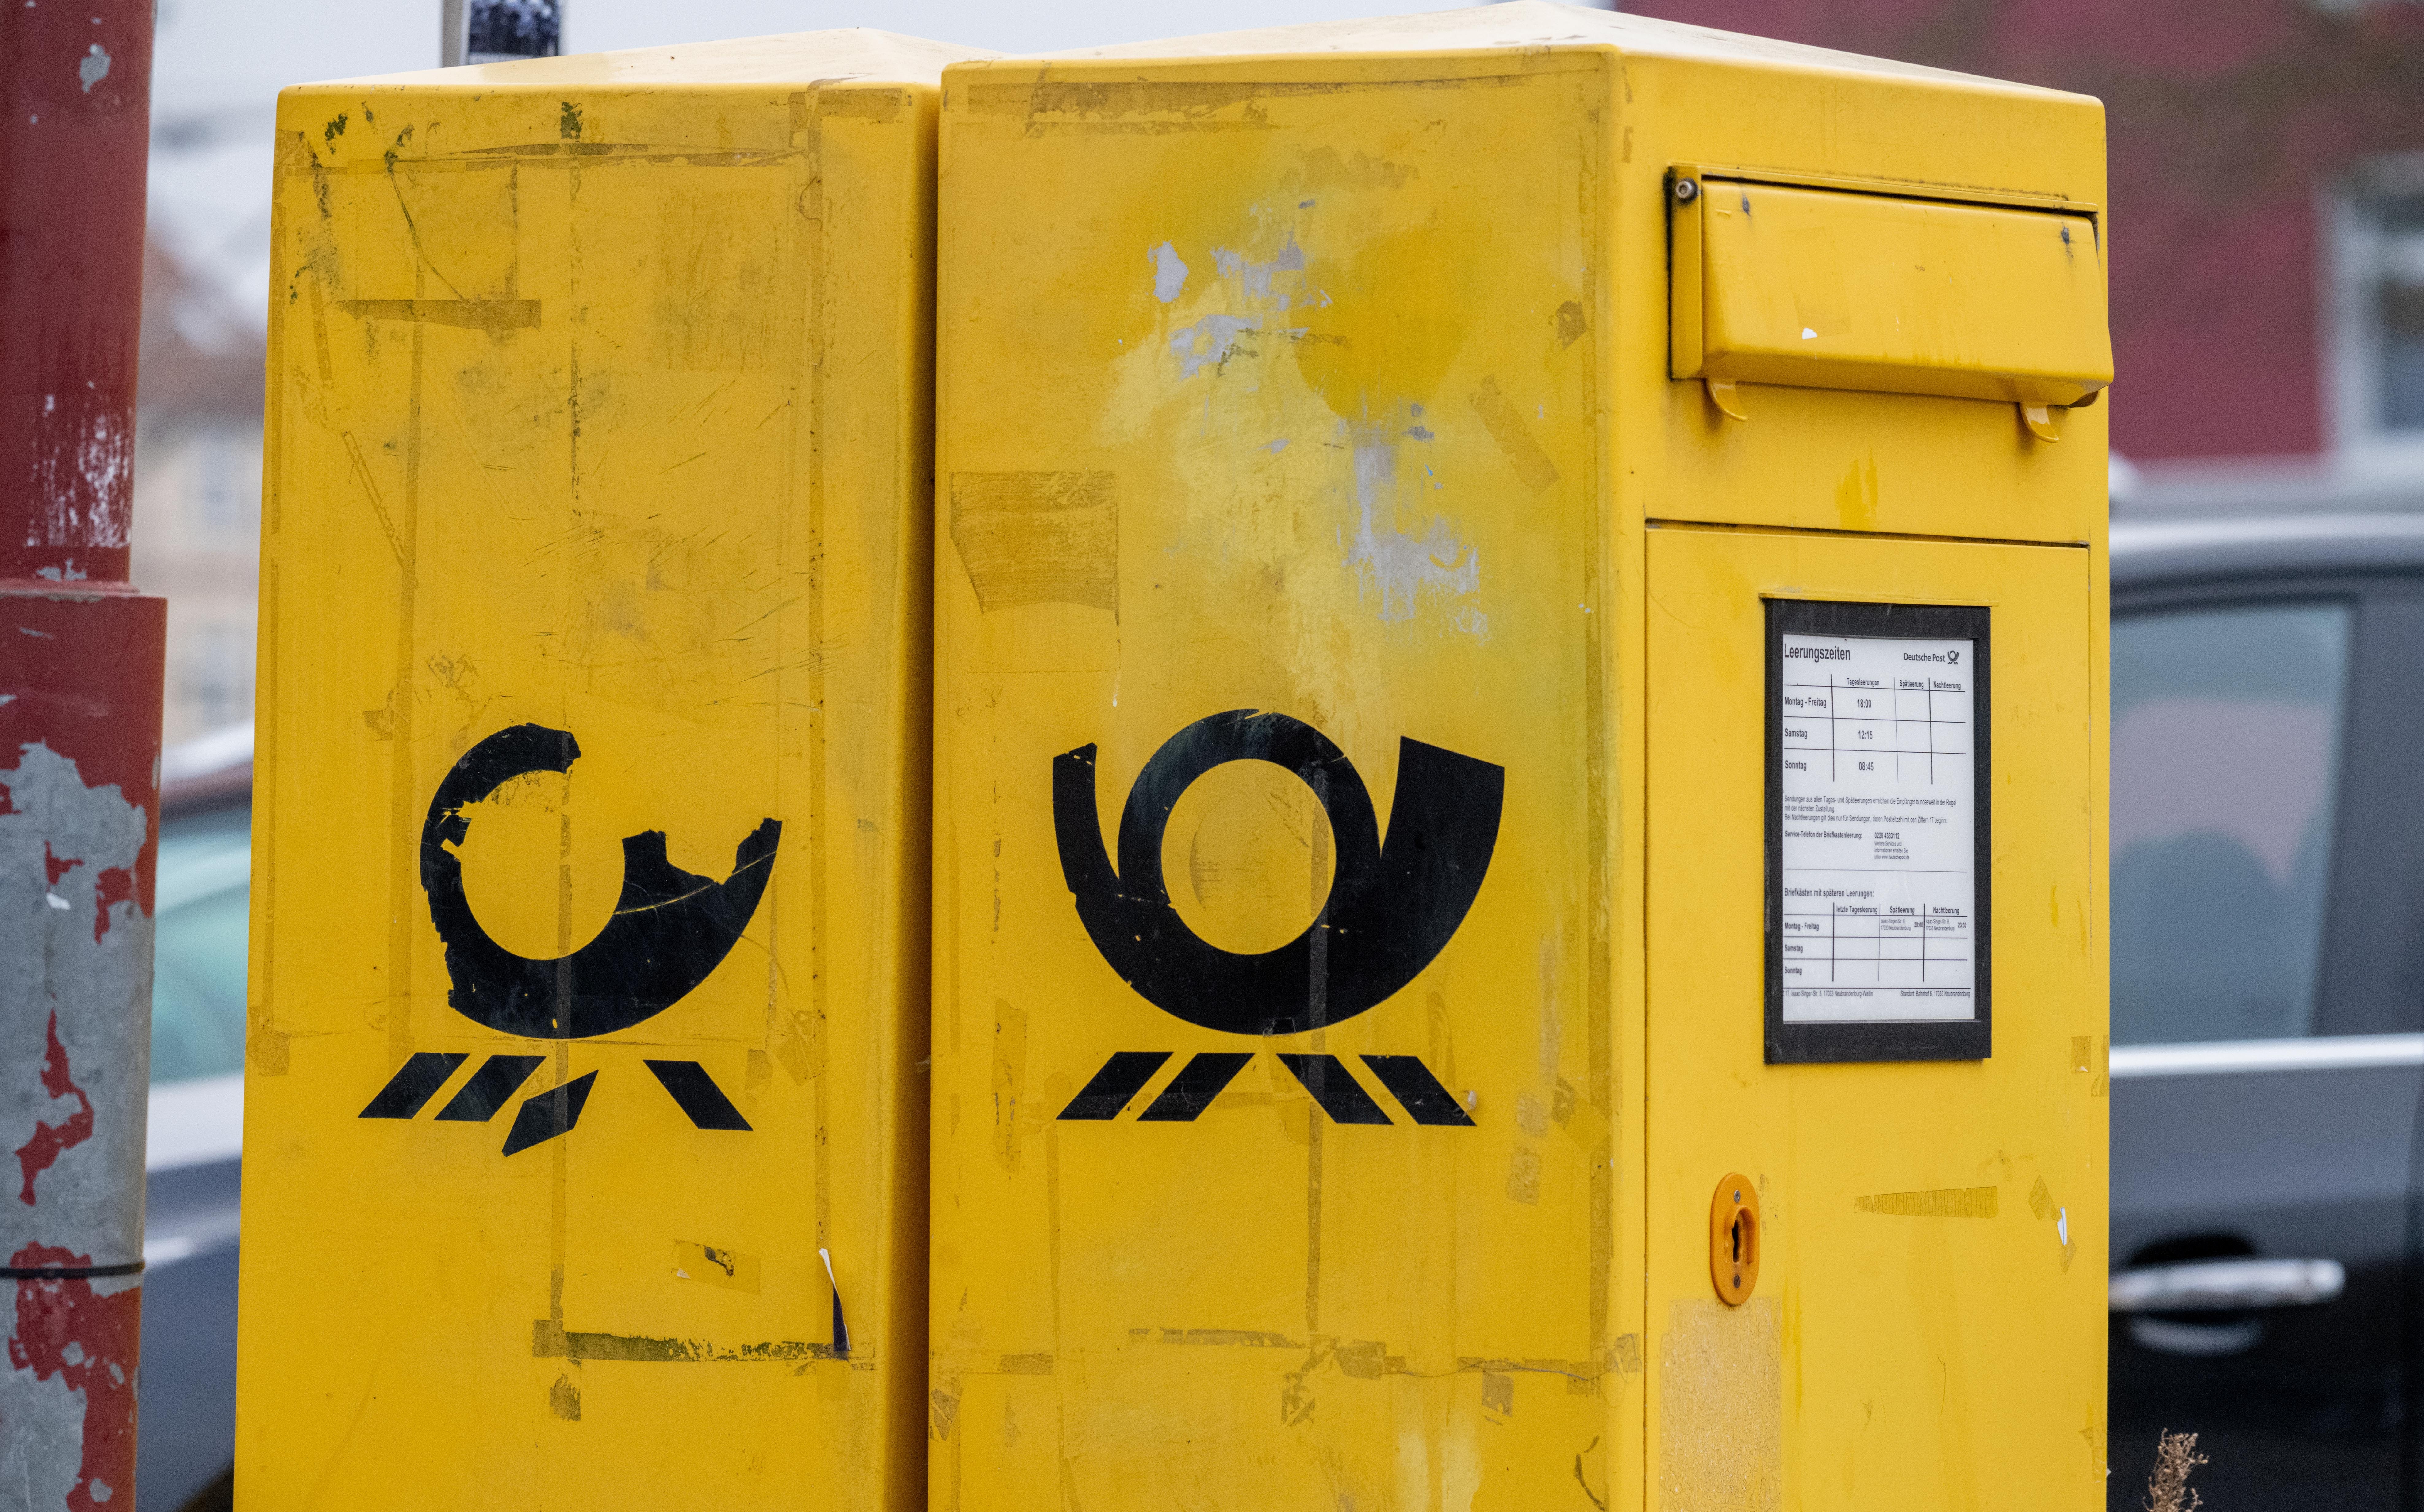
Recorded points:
(186, 1434)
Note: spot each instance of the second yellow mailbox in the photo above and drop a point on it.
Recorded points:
(583, 1120)
(1519, 906)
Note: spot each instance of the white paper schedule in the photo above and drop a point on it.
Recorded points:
(1878, 829)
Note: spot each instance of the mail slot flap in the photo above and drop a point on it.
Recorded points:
(1820, 289)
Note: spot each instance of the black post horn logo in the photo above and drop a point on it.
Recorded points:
(669, 930)
(1392, 904)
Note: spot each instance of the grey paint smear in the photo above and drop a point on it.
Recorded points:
(1168, 273)
(1402, 565)
(92, 978)
(1257, 276)
(1207, 342)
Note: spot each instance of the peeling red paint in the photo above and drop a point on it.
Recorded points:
(81, 660)
(54, 866)
(117, 885)
(71, 294)
(81, 676)
(51, 1140)
(92, 1343)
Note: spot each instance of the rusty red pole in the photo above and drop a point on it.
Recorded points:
(80, 668)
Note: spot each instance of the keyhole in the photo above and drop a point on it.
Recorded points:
(1733, 1240)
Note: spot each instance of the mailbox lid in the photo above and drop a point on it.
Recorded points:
(1827, 289)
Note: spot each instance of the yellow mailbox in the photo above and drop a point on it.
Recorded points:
(1518, 747)
(584, 1119)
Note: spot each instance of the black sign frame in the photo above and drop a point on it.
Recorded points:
(1867, 1040)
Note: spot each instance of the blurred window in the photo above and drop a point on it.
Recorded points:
(2380, 320)
(201, 917)
(2399, 309)
(227, 486)
(2226, 776)
(215, 665)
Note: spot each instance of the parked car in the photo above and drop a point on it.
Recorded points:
(185, 1437)
(2267, 1006)
(2266, 1069)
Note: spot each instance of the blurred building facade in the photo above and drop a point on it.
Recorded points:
(2267, 215)
(2266, 218)
(198, 489)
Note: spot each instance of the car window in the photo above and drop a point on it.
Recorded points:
(201, 934)
(2226, 763)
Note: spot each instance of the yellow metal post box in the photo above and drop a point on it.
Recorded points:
(1519, 905)
(584, 1129)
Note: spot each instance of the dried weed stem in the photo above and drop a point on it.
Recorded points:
(2167, 1490)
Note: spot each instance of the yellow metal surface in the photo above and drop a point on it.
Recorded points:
(598, 405)
(1829, 289)
(1929, 1326)
(1305, 417)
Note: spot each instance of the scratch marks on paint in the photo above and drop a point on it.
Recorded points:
(1009, 1081)
(1232, 1338)
(1403, 565)
(470, 314)
(1941, 1202)
(1209, 341)
(82, 454)
(50, 1140)
(1516, 442)
(550, 1340)
(1168, 273)
(1038, 537)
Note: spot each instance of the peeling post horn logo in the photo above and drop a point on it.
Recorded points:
(1394, 904)
(669, 930)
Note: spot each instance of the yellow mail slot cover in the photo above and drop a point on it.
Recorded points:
(1822, 289)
